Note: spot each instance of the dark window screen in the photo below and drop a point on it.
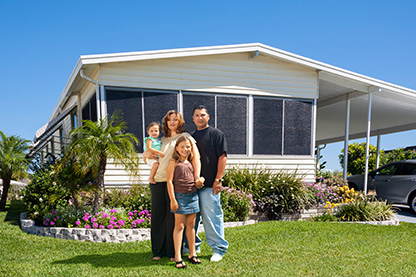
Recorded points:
(128, 104)
(89, 112)
(156, 105)
(232, 120)
(297, 127)
(191, 101)
(267, 129)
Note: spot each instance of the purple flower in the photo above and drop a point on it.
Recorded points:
(77, 223)
(95, 225)
(110, 226)
(101, 227)
(52, 223)
(87, 226)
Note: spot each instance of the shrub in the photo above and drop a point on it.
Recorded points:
(136, 198)
(37, 195)
(107, 219)
(365, 209)
(236, 204)
(274, 193)
(321, 194)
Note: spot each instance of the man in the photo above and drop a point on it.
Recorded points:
(212, 147)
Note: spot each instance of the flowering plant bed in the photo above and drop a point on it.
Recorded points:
(111, 219)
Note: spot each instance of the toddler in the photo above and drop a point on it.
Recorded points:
(152, 144)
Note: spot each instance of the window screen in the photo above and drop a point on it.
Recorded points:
(297, 127)
(232, 120)
(267, 126)
(89, 111)
(129, 106)
(190, 101)
(156, 105)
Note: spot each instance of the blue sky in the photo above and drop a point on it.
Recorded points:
(41, 42)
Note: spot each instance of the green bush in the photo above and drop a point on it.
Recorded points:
(236, 204)
(274, 193)
(38, 195)
(137, 197)
(365, 209)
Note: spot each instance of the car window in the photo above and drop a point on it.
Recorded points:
(388, 170)
(408, 169)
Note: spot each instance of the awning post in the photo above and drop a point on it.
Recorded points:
(367, 150)
(347, 134)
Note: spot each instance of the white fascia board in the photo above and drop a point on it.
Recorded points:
(64, 93)
(171, 53)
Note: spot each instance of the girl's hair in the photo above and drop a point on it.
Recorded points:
(181, 125)
(153, 124)
(176, 156)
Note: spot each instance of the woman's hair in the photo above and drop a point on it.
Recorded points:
(153, 124)
(181, 125)
(176, 156)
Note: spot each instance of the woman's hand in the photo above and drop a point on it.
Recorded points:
(174, 206)
(199, 183)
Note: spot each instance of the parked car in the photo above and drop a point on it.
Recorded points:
(394, 182)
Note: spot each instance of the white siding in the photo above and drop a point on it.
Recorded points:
(232, 73)
(304, 166)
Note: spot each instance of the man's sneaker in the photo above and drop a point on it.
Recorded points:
(216, 257)
(186, 250)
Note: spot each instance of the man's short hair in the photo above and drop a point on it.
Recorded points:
(201, 107)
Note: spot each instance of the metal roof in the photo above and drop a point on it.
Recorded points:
(393, 107)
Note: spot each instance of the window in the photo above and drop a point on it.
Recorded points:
(267, 126)
(389, 169)
(408, 169)
(74, 119)
(279, 126)
(128, 105)
(89, 111)
(297, 127)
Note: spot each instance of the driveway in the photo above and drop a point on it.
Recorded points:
(404, 214)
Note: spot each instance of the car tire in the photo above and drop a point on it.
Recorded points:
(412, 202)
(353, 186)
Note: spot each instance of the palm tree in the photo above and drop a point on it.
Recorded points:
(12, 161)
(94, 142)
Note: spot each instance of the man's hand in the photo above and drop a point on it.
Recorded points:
(216, 187)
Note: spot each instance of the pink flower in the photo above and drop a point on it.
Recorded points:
(52, 223)
(87, 226)
(101, 227)
(110, 226)
(77, 223)
(95, 225)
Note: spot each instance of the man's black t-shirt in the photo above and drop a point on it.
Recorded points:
(211, 144)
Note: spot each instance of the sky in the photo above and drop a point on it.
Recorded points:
(41, 42)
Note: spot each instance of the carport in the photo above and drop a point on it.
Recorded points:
(353, 106)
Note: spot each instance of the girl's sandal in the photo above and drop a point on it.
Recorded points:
(181, 263)
(194, 260)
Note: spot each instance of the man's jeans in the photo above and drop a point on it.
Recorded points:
(213, 220)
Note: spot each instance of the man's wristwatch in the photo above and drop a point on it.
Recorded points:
(218, 180)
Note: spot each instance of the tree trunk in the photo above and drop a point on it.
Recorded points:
(75, 199)
(6, 185)
(100, 183)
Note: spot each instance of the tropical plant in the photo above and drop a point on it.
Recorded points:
(12, 161)
(397, 155)
(94, 142)
(356, 158)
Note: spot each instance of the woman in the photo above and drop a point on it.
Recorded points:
(162, 225)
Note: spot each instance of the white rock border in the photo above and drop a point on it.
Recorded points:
(142, 234)
(100, 235)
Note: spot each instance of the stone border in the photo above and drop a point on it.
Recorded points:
(100, 235)
(142, 234)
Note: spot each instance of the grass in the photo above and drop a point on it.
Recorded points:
(267, 248)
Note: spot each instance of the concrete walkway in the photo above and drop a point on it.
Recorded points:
(404, 214)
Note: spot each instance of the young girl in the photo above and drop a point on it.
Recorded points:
(184, 200)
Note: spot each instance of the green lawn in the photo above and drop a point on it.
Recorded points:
(268, 248)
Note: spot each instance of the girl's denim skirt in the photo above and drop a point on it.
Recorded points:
(188, 203)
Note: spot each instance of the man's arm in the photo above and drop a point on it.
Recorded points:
(222, 161)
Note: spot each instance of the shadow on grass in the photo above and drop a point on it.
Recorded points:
(116, 260)
(14, 208)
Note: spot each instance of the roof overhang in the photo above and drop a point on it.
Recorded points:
(393, 106)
